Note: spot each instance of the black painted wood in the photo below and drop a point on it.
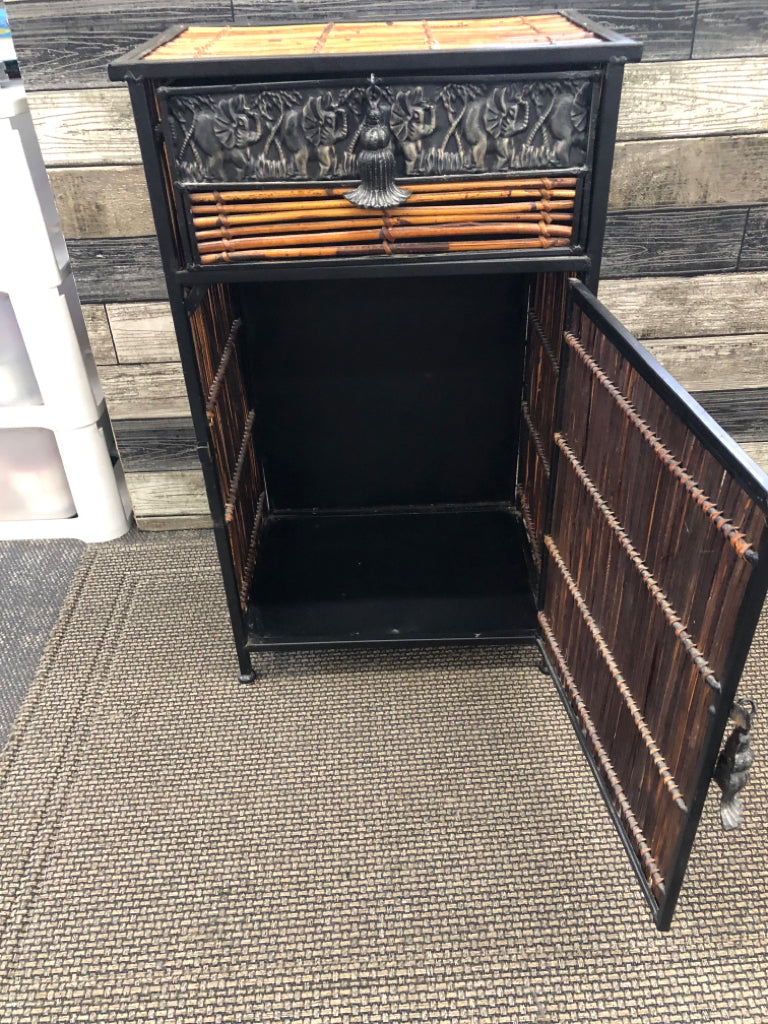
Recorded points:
(731, 28)
(417, 576)
(680, 241)
(67, 44)
(744, 414)
(754, 251)
(157, 445)
(117, 269)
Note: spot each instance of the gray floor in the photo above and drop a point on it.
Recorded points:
(392, 836)
(34, 576)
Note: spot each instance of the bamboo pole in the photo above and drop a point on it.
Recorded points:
(393, 234)
(255, 230)
(234, 214)
(309, 192)
(235, 209)
(393, 248)
(348, 212)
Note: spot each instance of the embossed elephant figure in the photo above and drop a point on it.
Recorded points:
(506, 116)
(474, 132)
(567, 125)
(412, 119)
(324, 123)
(293, 144)
(562, 127)
(220, 137)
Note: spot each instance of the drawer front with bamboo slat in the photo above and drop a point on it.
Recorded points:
(457, 216)
(269, 171)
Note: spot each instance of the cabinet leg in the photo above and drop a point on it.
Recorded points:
(247, 674)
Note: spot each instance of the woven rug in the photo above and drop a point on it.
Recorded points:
(381, 836)
(34, 577)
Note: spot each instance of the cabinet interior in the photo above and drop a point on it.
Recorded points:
(386, 428)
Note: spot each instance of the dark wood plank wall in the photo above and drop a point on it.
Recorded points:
(686, 257)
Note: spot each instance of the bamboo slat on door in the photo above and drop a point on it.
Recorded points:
(648, 555)
(545, 328)
(455, 216)
(216, 336)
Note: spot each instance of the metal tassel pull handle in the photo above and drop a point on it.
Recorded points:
(732, 768)
(375, 160)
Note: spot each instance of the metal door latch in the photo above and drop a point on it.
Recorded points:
(732, 768)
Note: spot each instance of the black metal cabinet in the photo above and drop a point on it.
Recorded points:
(416, 422)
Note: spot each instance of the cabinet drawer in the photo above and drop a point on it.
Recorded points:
(496, 164)
(457, 216)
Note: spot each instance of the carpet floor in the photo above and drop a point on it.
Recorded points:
(378, 836)
(34, 577)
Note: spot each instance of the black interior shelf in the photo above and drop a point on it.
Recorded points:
(400, 577)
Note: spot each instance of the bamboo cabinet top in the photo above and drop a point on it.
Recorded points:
(543, 39)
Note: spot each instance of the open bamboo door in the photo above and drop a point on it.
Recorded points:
(653, 556)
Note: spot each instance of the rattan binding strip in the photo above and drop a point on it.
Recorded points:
(673, 619)
(530, 529)
(609, 774)
(621, 684)
(218, 379)
(234, 484)
(537, 442)
(546, 344)
(253, 549)
(735, 537)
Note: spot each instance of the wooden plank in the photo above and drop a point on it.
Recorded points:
(758, 452)
(680, 307)
(690, 172)
(665, 100)
(143, 392)
(156, 445)
(181, 492)
(99, 334)
(667, 242)
(102, 202)
(117, 269)
(179, 522)
(744, 414)
(68, 43)
(754, 251)
(88, 126)
(695, 97)
(731, 28)
(143, 332)
(714, 363)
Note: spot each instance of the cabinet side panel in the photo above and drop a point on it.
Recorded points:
(546, 313)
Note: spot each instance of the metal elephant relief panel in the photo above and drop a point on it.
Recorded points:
(447, 128)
